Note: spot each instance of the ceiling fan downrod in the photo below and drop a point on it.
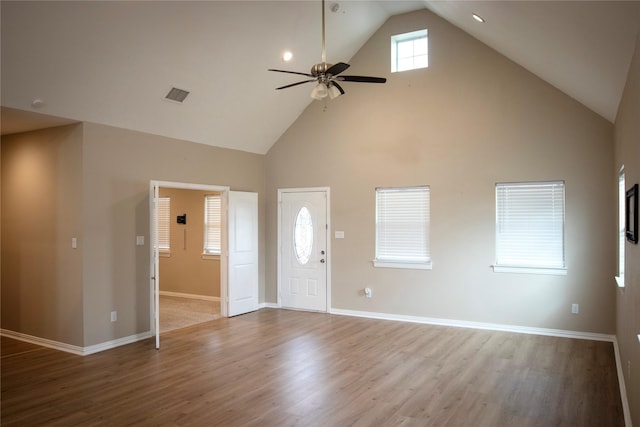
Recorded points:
(326, 76)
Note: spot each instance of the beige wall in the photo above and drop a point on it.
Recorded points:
(627, 143)
(92, 182)
(473, 118)
(118, 165)
(41, 213)
(185, 271)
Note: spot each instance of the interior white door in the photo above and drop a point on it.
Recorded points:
(303, 237)
(243, 252)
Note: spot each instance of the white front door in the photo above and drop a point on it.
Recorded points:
(243, 252)
(303, 232)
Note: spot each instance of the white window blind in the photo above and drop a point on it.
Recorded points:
(530, 226)
(402, 227)
(212, 224)
(164, 235)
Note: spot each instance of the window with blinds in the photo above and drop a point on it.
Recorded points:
(530, 227)
(212, 224)
(402, 228)
(164, 234)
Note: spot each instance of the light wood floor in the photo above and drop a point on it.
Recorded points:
(289, 368)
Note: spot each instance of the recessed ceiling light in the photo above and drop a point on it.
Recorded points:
(286, 57)
(477, 17)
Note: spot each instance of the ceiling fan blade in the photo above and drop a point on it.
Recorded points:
(295, 84)
(336, 69)
(290, 72)
(333, 82)
(362, 79)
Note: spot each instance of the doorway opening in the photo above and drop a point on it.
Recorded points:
(156, 246)
(239, 288)
(189, 244)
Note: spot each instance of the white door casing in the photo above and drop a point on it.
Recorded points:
(155, 262)
(243, 253)
(303, 228)
(154, 188)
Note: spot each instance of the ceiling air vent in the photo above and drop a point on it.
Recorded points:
(176, 95)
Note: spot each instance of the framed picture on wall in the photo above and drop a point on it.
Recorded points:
(631, 214)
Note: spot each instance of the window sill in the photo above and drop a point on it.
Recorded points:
(210, 256)
(530, 270)
(162, 254)
(620, 281)
(401, 264)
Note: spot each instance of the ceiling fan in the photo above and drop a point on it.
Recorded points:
(327, 75)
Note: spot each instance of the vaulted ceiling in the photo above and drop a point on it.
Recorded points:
(114, 62)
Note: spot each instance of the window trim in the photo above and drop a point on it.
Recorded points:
(531, 269)
(411, 36)
(621, 228)
(404, 263)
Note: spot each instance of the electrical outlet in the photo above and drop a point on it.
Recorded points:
(367, 292)
(114, 316)
(575, 308)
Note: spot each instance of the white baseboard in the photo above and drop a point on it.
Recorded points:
(116, 343)
(69, 348)
(74, 349)
(192, 296)
(477, 325)
(269, 305)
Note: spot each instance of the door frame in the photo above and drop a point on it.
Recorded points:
(224, 248)
(327, 191)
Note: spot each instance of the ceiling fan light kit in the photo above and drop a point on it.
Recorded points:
(326, 75)
(320, 91)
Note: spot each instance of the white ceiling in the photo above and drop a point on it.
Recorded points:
(113, 62)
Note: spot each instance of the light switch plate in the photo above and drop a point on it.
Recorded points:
(74, 243)
(140, 240)
(339, 234)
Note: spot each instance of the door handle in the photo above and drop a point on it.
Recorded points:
(322, 260)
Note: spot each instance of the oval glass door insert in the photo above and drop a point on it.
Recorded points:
(303, 235)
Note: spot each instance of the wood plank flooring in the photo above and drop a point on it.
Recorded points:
(290, 368)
